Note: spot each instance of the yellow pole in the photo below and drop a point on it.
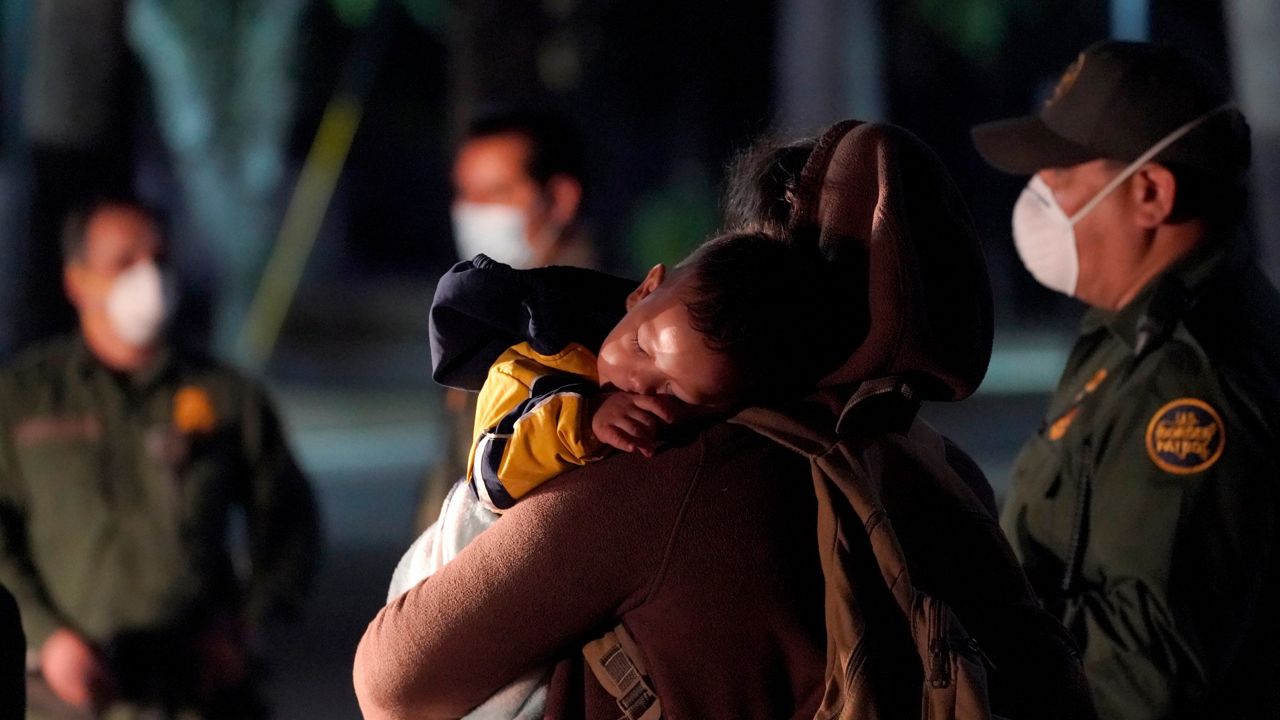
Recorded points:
(298, 231)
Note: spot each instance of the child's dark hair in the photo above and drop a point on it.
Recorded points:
(758, 300)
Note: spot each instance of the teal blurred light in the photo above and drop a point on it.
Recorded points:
(431, 14)
(354, 13)
(1130, 19)
(974, 27)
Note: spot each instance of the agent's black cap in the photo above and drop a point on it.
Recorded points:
(1117, 100)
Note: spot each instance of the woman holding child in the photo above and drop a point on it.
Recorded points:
(854, 269)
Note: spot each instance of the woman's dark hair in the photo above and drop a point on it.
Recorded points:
(761, 186)
(759, 300)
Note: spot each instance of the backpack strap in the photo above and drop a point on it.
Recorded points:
(835, 445)
(616, 662)
(846, 448)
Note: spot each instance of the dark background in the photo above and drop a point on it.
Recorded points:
(216, 124)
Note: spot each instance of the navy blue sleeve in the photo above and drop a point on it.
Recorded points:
(483, 307)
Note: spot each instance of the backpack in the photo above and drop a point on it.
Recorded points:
(902, 518)
(857, 542)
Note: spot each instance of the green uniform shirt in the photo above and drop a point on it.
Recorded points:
(116, 494)
(1145, 510)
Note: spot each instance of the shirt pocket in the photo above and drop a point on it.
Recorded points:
(1046, 498)
(67, 491)
(209, 483)
(1038, 469)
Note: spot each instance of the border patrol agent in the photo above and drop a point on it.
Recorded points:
(1145, 509)
(121, 461)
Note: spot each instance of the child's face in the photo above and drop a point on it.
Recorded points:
(654, 350)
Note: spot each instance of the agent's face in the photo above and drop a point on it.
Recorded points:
(117, 238)
(492, 171)
(1105, 238)
(654, 350)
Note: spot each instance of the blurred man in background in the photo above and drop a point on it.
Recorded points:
(518, 185)
(1145, 510)
(517, 182)
(122, 460)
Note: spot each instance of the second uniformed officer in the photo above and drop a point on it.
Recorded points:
(1145, 510)
(122, 459)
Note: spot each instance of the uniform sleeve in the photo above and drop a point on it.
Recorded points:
(527, 434)
(283, 522)
(1178, 543)
(39, 616)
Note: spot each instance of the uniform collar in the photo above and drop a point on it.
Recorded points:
(1150, 316)
(143, 379)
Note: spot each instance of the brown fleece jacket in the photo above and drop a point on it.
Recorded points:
(705, 552)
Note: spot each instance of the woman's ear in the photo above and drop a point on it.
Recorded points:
(651, 281)
(1153, 191)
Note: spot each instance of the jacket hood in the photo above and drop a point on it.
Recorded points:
(909, 266)
(482, 307)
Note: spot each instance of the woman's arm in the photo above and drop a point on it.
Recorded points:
(559, 567)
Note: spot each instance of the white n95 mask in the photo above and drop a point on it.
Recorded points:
(498, 231)
(137, 306)
(1046, 238)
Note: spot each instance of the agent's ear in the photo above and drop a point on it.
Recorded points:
(565, 195)
(1153, 190)
(651, 281)
(73, 279)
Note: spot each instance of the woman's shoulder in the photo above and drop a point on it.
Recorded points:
(626, 485)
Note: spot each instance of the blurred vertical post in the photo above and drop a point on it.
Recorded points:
(1131, 20)
(495, 45)
(1255, 59)
(830, 63)
(76, 138)
(311, 196)
(225, 91)
(13, 44)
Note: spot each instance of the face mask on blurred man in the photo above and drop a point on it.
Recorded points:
(136, 304)
(498, 231)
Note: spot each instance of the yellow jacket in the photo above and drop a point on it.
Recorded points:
(532, 422)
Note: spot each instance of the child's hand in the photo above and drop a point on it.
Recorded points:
(631, 422)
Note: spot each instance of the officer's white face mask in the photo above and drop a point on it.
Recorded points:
(499, 231)
(1046, 238)
(137, 304)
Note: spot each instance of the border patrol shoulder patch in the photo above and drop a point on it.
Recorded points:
(1186, 436)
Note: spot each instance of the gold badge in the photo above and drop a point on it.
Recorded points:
(1094, 382)
(1059, 426)
(1067, 80)
(193, 411)
(1186, 436)
(1063, 423)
